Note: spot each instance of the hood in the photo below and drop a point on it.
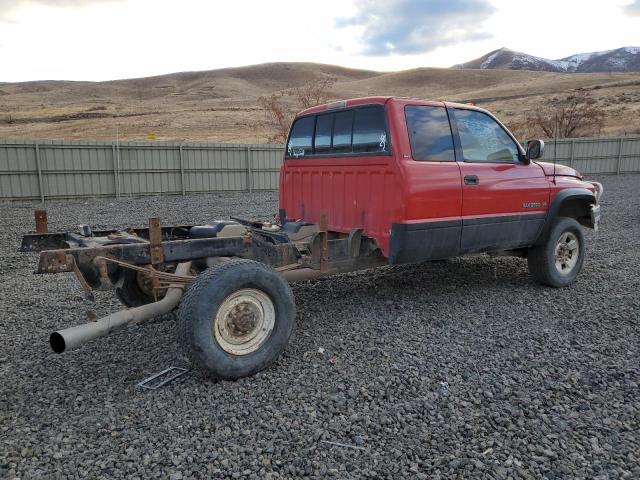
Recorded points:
(561, 170)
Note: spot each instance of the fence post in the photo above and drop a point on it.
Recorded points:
(39, 167)
(571, 155)
(619, 156)
(116, 181)
(249, 172)
(182, 172)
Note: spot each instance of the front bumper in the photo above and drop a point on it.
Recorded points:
(595, 208)
(595, 216)
(599, 190)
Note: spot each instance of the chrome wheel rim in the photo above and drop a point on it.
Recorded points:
(244, 321)
(567, 252)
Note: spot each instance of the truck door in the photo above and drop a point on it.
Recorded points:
(504, 199)
(433, 199)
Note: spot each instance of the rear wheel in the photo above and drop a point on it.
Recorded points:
(558, 261)
(236, 318)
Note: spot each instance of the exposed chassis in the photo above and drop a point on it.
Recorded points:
(90, 255)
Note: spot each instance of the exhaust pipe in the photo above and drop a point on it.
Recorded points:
(300, 274)
(70, 338)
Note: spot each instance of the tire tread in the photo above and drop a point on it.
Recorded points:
(194, 295)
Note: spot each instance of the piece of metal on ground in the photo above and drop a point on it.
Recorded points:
(344, 445)
(42, 225)
(162, 378)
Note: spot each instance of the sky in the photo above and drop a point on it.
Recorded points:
(113, 39)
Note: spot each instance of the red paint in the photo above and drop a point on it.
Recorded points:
(503, 189)
(373, 192)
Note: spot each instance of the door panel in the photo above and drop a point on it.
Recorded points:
(505, 208)
(433, 225)
(504, 201)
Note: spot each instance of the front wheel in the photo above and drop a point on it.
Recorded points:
(558, 261)
(236, 318)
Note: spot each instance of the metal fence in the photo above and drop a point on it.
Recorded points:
(63, 169)
(596, 155)
(40, 170)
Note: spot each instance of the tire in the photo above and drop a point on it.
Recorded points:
(558, 260)
(129, 291)
(236, 319)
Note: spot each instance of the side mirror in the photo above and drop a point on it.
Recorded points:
(535, 149)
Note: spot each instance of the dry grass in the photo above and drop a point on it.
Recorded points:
(222, 105)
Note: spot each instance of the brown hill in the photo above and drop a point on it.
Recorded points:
(221, 105)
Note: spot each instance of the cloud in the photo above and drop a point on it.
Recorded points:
(413, 27)
(9, 6)
(633, 9)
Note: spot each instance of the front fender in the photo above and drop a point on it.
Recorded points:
(573, 202)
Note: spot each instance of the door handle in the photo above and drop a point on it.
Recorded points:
(471, 180)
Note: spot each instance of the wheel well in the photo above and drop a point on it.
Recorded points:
(577, 208)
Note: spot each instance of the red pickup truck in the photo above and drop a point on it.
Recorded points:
(432, 180)
(364, 182)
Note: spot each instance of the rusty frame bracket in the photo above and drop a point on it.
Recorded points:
(323, 232)
(42, 222)
(88, 291)
(155, 241)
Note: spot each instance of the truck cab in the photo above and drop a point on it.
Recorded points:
(427, 180)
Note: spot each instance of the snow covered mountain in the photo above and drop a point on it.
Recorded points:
(625, 59)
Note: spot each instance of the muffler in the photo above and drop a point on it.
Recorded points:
(70, 338)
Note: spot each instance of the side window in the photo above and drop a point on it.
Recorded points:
(300, 139)
(369, 130)
(322, 141)
(429, 133)
(483, 139)
(342, 130)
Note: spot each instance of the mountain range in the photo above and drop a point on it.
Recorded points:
(625, 59)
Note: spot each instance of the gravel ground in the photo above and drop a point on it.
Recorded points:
(446, 370)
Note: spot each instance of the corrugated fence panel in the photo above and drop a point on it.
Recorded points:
(630, 158)
(77, 169)
(561, 152)
(147, 169)
(265, 167)
(18, 170)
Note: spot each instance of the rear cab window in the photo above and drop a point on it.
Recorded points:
(357, 131)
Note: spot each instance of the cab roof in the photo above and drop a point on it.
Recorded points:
(353, 102)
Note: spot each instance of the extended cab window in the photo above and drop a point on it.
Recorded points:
(483, 139)
(429, 133)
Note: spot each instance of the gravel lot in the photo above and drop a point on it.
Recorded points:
(446, 370)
